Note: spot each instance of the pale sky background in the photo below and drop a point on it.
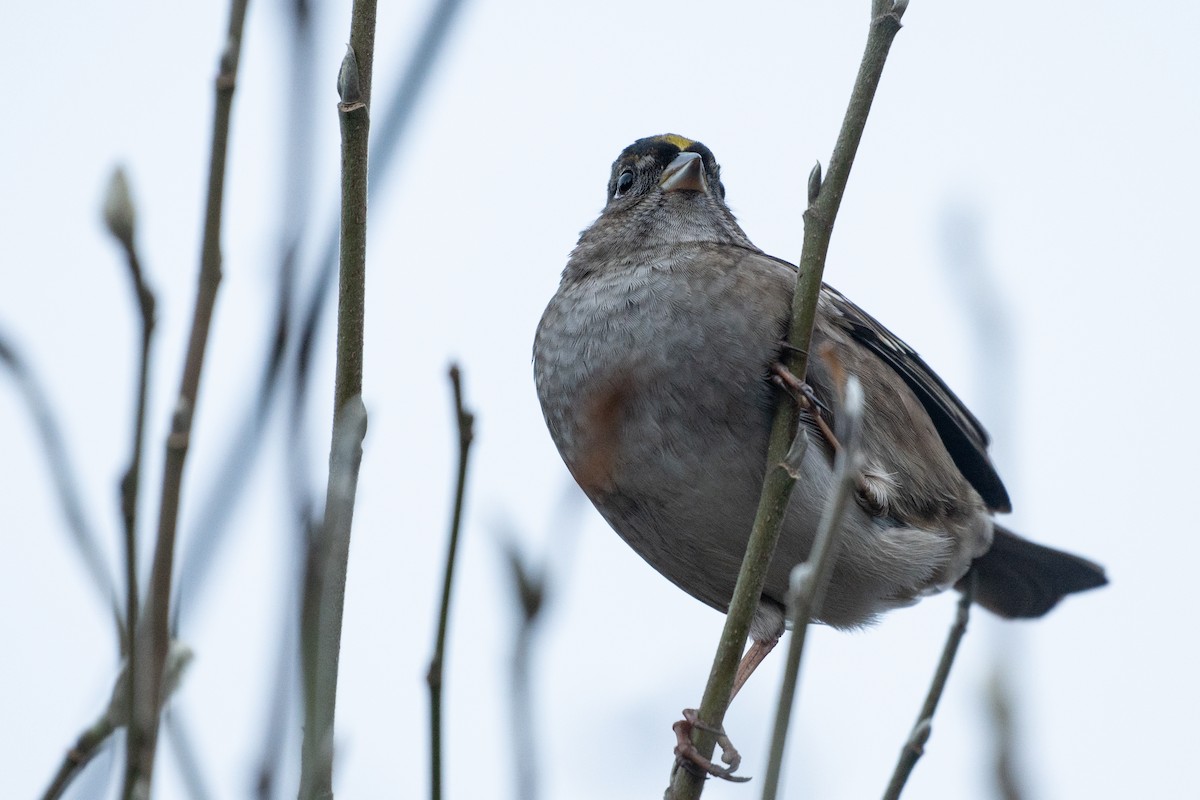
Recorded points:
(1068, 131)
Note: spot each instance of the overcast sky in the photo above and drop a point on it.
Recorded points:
(1065, 134)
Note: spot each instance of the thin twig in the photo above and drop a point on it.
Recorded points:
(529, 586)
(990, 325)
(398, 114)
(63, 474)
(1008, 782)
(153, 634)
(914, 747)
(79, 755)
(825, 199)
(182, 745)
(810, 579)
(115, 716)
(121, 220)
(465, 421)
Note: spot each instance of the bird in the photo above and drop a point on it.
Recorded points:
(657, 365)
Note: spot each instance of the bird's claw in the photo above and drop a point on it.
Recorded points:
(689, 757)
(807, 399)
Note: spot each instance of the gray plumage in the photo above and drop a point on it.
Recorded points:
(652, 367)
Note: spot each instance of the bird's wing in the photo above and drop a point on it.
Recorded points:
(962, 434)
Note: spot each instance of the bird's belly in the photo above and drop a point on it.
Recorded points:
(664, 425)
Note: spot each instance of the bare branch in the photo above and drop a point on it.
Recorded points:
(63, 474)
(914, 748)
(325, 597)
(810, 579)
(120, 217)
(152, 635)
(529, 587)
(465, 422)
(325, 590)
(115, 716)
(778, 483)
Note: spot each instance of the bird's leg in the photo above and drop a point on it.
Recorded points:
(754, 656)
(804, 396)
(686, 752)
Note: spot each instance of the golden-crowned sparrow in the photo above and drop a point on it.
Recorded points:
(653, 364)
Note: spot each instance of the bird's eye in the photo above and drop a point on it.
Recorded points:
(624, 183)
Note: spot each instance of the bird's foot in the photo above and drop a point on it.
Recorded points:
(806, 398)
(689, 757)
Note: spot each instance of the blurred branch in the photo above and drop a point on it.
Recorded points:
(825, 198)
(393, 124)
(115, 716)
(466, 433)
(530, 589)
(63, 474)
(283, 686)
(988, 320)
(914, 748)
(325, 596)
(152, 638)
(397, 116)
(180, 737)
(80, 755)
(211, 526)
(810, 579)
(1005, 762)
(121, 220)
(209, 529)
(990, 324)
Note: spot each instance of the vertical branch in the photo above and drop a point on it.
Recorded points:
(466, 432)
(121, 220)
(530, 586)
(1008, 782)
(190, 771)
(990, 326)
(152, 637)
(914, 747)
(398, 113)
(325, 597)
(824, 200)
(354, 88)
(810, 579)
(329, 554)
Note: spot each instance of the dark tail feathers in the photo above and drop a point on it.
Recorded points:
(1020, 579)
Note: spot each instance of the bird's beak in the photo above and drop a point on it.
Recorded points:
(684, 174)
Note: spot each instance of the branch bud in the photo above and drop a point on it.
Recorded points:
(119, 215)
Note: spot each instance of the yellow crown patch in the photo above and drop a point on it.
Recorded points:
(682, 142)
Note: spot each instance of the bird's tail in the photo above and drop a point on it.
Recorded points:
(1020, 579)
